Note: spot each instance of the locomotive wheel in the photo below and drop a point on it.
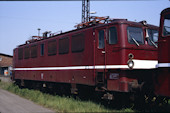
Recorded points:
(162, 101)
(120, 100)
(18, 83)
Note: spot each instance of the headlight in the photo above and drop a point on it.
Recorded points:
(130, 55)
(130, 64)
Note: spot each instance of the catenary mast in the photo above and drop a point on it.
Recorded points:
(85, 10)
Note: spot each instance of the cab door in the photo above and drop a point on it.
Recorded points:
(112, 47)
(164, 39)
(100, 54)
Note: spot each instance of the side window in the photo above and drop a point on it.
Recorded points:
(42, 49)
(26, 53)
(166, 26)
(34, 51)
(112, 35)
(101, 43)
(63, 45)
(78, 43)
(135, 35)
(153, 36)
(52, 47)
(20, 53)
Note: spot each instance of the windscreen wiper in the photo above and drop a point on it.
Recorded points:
(153, 43)
(134, 40)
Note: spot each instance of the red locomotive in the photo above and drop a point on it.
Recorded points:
(108, 55)
(162, 82)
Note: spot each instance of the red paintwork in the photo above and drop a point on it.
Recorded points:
(114, 55)
(164, 41)
(162, 82)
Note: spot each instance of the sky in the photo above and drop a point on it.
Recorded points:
(19, 20)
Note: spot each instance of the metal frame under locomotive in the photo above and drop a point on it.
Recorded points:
(162, 77)
(82, 57)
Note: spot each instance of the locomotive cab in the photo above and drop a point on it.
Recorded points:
(162, 77)
(164, 38)
(124, 51)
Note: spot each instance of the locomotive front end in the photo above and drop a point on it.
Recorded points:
(130, 56)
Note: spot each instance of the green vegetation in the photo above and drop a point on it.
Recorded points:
(57, 103)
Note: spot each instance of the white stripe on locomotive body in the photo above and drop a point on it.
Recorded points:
(145, 64)
(163, 65)
(73, 67)
(138, 64)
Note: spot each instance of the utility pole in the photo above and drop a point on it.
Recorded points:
(85, 11)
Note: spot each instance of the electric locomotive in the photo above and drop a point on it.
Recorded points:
(106, 55)
(162, 77)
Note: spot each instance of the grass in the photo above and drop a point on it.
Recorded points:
(57, 103)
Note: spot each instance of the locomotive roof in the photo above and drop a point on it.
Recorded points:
(165, 10)
(115, 21)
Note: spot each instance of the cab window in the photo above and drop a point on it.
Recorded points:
(153, 36)
(135, 35)
(101, 44)
(166, 27)
(112, 35)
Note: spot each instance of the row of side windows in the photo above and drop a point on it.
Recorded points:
(28, 52)
(77, 42)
